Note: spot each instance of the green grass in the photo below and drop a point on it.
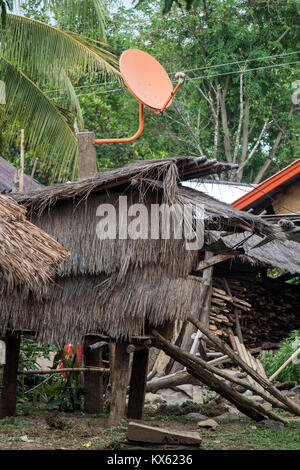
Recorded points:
(88, 432)
(246, 434)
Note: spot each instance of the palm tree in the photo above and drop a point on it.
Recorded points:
(34, 54)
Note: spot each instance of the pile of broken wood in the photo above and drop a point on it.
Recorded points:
(229, 385)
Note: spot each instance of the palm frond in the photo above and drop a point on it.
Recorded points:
(69, 93)
(48, 128)
(38, 49)
(88, 15)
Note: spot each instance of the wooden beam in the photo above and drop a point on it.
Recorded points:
(265, 383)
(212, 261)
(93, 381)
(138, 384)
(119, 385)
(199, 369)
(8, 399)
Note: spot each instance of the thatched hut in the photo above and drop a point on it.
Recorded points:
(27, 254)
(28, 260)
(123, 287)
(118, 287)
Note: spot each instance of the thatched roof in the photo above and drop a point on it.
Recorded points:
(273, 254)
(167, 170)
(119, 286)
(27, 254)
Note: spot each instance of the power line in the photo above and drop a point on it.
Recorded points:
(191, 70)
(201, 77)
(242, 71)
(240, 62)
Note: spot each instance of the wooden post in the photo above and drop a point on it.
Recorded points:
(138, 384)
(21, 182)
(87, 162)
(8, 399)
(119, 385)
(93, 381)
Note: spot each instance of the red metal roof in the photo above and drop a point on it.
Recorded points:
(268, 186)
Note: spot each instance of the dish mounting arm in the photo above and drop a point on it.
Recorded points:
(180, 76)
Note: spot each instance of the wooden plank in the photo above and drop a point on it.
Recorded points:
(211, 262)
(8, 399)
(138, 384)
(119, 385)
(138, 432)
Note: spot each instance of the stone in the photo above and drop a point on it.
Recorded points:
(209, 423)
(274, 425)
(195, 417)
(197, 395)
(149, 434)
(296, 390)
(227, 417)
(153, 398)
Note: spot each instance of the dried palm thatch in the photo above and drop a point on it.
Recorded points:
(273, 255)
(27, 254)
(119, 287)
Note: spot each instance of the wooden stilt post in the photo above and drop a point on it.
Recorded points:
(8, 399)
(87, 161)
(138, 384)
(119, 385)
(93, 381)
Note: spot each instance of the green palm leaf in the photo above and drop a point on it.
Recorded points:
(47, 127)
(40, 49)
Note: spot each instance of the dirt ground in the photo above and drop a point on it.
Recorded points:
(69, 431)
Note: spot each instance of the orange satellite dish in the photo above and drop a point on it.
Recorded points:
(149, 83)
(145, 78)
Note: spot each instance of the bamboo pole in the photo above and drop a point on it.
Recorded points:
(265, 383)
(61, 371)
(198, 368)
(21, 181)
(293, 356)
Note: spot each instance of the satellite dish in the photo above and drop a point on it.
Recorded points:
(149, 83)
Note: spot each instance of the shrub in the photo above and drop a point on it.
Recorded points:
(272, 361)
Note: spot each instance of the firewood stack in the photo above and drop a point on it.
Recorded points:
(267, 309)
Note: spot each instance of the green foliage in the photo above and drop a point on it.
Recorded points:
(30, 352)
(272, 361)
(44, 56)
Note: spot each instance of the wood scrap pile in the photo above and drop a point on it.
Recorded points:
(267, 309)
(220, 381)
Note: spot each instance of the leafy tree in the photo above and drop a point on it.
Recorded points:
(241, 112)
(44, 55)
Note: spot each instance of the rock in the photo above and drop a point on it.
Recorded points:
(209, 423)
(296, 390)
(248, 393)
(227, 417)
(197, 394)
(149, 434)
(195, 417)
(153, 398)
(172, 397)
(286, 385)
(274, 425)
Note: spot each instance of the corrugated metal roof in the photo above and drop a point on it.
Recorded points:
(7, 172)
